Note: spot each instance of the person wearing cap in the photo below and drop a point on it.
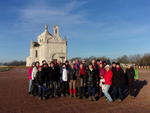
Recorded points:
(130, 73)
(118, 82)
(108, 82)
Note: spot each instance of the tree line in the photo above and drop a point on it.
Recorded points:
(139, 60)
(14, 63)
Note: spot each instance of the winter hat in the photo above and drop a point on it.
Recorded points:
(107, 66)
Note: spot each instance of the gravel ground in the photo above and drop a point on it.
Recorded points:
(15, 99)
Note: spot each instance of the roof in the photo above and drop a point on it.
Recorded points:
(46, 32)
(35, 44)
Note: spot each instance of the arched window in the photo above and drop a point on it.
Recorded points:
(56, 31)
(36, 54)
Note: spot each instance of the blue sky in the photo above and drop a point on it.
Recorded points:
(109, 28)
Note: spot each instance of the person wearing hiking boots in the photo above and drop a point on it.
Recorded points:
(72, 81)
(91, 82)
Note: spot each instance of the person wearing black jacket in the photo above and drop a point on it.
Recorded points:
(56, 81)
(72, 80)
(113, 68)
(45, 77)
(51, 78)
(130, 73)
(45, 73)
(118, 82)
(40, 81)
(92, 80)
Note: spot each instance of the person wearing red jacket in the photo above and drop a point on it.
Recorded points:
(83, 80)
(108, 82)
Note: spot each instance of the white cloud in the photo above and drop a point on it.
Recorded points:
(37, 14)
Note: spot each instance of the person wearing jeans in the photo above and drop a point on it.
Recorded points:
(91, 91)
(106, 93)
(108, 81)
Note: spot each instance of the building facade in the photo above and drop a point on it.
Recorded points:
(48, 47)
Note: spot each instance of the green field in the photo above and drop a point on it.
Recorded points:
(4, 68)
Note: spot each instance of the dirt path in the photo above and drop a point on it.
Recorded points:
(14, 98)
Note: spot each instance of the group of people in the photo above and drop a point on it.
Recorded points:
(80, 79)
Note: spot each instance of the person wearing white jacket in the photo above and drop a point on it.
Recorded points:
(64, 80)
(33, 76)
(34, 71)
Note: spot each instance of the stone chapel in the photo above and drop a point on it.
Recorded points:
(48, 47)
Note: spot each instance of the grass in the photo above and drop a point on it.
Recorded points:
(4, 68)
